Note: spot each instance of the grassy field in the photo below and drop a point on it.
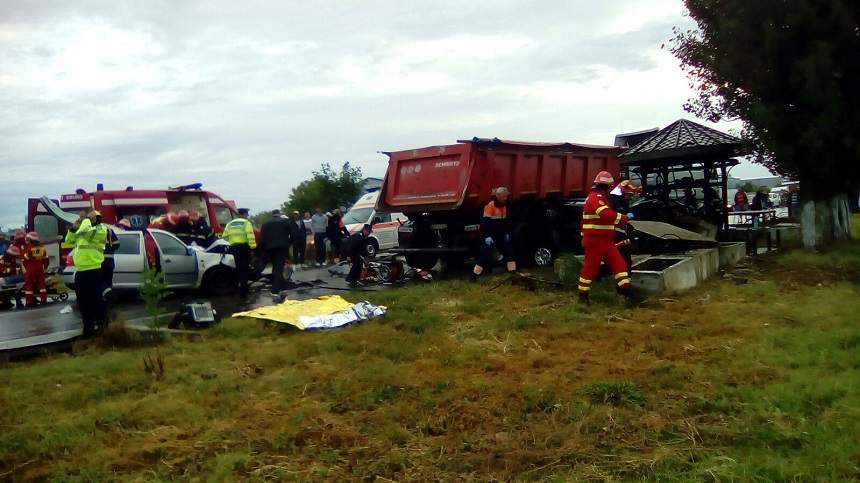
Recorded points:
(754, 377)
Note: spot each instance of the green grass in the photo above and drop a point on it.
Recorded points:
(752, 381)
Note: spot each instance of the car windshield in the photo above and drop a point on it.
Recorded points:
(357, 215)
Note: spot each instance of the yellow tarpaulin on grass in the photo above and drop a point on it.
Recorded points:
(289, 311)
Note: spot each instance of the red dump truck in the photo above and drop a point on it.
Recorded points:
(443, 189)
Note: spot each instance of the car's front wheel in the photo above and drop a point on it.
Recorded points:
(219, 280)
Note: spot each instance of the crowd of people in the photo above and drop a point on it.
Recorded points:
(285, 240)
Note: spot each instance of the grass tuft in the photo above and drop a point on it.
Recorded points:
(615, 393)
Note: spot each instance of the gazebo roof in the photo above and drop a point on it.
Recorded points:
(683, 140)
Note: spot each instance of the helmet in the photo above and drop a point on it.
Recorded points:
(13, 251)
(193, 215)
(124, 223)
(93, 214)
(604, 177)
(32, 236)
(628, 186)
(501, 191)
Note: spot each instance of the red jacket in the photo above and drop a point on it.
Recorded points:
(598, 217)
(35, 258)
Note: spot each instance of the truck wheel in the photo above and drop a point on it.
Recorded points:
(372, 248)
(219, 281)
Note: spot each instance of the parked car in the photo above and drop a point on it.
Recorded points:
(184, 266)
(385, 224)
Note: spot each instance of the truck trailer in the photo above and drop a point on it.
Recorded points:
(443, 189)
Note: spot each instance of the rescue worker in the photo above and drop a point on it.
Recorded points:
(10, 275)
(124, 224)
(619, 199)
(88, 237)
(108, 265)
(183, 228)
(4, 243)
(35, 262)
(598, 239)
(355, 250)
(19, 239)
(239, 233)
(201, 232)
(496, 233)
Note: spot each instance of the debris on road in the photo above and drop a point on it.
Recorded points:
(322, 313)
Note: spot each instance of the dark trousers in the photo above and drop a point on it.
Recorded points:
(299, 247)
(319, 245)
(503, 243)
(335, 247)
(242, 257)
(107, 278)
(355, 270)
(88, 289)
(278, 257)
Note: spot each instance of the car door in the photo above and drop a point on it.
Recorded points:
(178, 261)
(129, 260)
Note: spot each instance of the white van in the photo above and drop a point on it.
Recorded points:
(385, 225)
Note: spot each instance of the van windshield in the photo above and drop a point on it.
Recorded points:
(357, 215)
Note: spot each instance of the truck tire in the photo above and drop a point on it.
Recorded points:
(219, 281)
(422, 237)
(372, 248)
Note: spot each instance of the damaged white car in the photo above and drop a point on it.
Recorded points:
(183, 266)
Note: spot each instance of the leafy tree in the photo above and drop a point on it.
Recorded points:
(327, 189)
(789, 71)
(261, 218)
(749, 187)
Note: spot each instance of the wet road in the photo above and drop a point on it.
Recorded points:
(47, 325)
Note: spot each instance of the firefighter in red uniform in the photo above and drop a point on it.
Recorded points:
(598, 239)
(496, 232)
(35, 261)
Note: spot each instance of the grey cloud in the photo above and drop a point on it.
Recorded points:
(250, 97)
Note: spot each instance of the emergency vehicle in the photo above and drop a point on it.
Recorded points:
(140, 207)
(385, 224)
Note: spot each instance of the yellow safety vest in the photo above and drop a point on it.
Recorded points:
(89, 245)
(240, 232)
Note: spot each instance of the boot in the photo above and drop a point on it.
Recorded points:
(584, 299)
(631, 297)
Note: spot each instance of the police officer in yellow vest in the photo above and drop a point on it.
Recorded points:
(88, 236)
(239, 233)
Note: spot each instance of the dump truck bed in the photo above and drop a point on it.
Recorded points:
(459, 175)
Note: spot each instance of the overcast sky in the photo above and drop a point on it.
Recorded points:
(249, 97)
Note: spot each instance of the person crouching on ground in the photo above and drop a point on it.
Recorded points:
(495, 233)
(355, 251)
(35, 261)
